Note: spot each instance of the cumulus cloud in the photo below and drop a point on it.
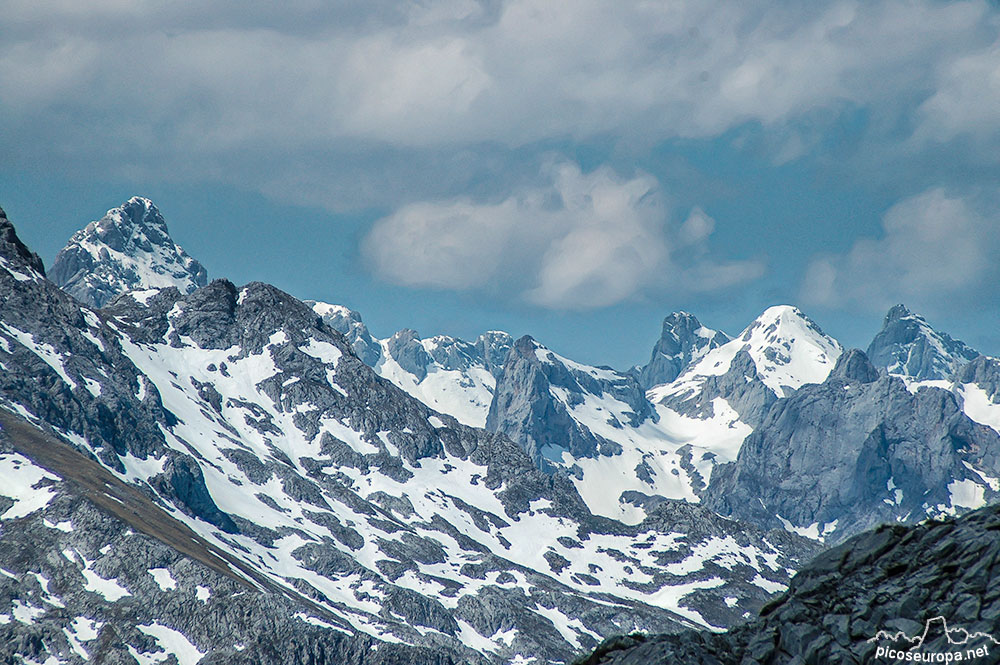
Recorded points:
(195, 84)
(934, 247)
(582, 240)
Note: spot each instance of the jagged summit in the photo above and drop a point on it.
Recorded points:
(129, 248)
(683, 340)
(909, 346)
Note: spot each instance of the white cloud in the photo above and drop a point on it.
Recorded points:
(935, 246)
(583, 240)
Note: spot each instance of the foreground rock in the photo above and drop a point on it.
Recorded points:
(928, 589)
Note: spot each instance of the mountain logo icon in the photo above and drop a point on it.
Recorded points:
(938, 643)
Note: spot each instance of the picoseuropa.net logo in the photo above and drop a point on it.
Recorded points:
(958, 645)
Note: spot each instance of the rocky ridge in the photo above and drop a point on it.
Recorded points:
(907, 345)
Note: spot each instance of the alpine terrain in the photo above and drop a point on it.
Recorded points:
(172, 452)
(208, 472)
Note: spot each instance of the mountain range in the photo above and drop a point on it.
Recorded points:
(430, 500)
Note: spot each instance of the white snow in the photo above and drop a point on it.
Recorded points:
(173, 642)
(20, 478)
(785, 346)
(203, 593)
(978, 406)
(25, 613)
(323, 351)
(110, 589)
(163, 578)
(464, 395)
(966, 494)
(81, 630)
(142, 296)
(814, 531)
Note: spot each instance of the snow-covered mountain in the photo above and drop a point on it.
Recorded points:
(595, 425)
(625, 451)
(256, 429)
(907, 345)
(781, 350)
(129, 248)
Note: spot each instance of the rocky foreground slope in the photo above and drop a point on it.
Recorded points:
(929, 589)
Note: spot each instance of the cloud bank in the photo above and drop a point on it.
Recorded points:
(583, 240)
(193, 84)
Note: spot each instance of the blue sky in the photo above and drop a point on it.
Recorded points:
(570, 170)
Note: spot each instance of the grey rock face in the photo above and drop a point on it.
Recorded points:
(87, 579)
(494, 346)
(526, 408)
(129, 248)
(406, 349)
(856, 597)
(682, 341)
(740, 386)
(856, 451)
(908, 345)
(985, 373)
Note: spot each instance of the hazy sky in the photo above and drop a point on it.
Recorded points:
(572, 170)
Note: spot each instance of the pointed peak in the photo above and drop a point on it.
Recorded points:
(683, 340)
(783, 321)
(128, 248)
(908, 345)
(137, 211)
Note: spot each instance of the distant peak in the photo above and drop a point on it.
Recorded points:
(12, 248)
(781, 312)
(898, 312)
(128, 248)
(908, 345)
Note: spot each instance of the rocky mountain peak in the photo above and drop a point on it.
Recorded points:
(129, 248)
(789, 349)
(683, 340)
(15, 251)
(406, 349)
(909, 346)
